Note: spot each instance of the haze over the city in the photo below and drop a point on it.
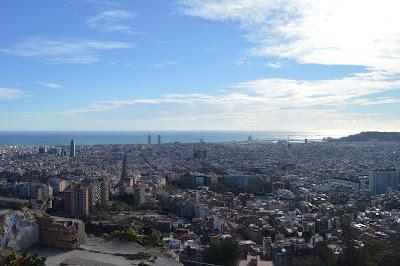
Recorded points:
(200, 64)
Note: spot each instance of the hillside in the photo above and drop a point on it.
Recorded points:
(373, 136)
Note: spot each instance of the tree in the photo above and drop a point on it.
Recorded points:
(225, 252)
(373, 253)
(322, 251)
(379, 252)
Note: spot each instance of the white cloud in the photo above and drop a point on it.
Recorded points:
(50, 85)
(340, 32)
(64, 50)
(265, 95)
(377, 101)
(164, 64)
(266, 103)
(112, 20)
(313, 92)
(274, 65)
(9, 93)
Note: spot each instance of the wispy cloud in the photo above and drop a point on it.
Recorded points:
(64, 50)
(50, 85)
(235, 110)
(112, 21)
(258, 103)
(164, 64)
(242, 61)
(274, 64)
(10, 93)
(183, 99)
(263, 96)
(359, 84)
(209, 49)
(377, 101)
(102, 2)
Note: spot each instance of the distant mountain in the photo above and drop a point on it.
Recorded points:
(373, 136)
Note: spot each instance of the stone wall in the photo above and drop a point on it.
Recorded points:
(61, 232)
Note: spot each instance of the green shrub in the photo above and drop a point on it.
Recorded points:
(25, 260)
(153, 239)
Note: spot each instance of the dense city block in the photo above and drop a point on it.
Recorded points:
(234, 203)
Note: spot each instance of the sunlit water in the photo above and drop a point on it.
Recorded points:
(140, 137)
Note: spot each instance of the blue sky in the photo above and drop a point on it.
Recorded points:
(191, 64)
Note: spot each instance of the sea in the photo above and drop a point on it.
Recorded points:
(63, 138)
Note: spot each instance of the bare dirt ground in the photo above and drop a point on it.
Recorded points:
(99, 252)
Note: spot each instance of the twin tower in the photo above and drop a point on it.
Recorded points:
(72, 148)
(158, 139)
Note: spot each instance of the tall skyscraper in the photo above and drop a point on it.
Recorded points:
(149, 139)
(159, 139)
(72, 152)
(381, 181)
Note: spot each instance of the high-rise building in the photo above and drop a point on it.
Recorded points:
(42, 150)
(382, 181)
(58, 185)
(76, 202)
(199, 150)
(26, 190)
(45, 192)
(138, 196)
(99, 192)
(88, 197)
(149, 139)
(72, 152)
(159, 139)
(124, 167)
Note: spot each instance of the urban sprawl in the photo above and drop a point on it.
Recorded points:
(273, 203)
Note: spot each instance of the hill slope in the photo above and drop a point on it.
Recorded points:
(373, 136)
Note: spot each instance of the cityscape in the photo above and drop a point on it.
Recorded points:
(282, 203)
(199, 133)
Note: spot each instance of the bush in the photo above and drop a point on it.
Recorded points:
(153, 238)
(25, 260)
